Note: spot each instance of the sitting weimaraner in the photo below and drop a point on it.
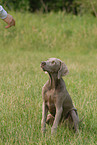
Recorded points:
(56, 98)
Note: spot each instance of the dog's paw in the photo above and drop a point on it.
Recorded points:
(53, 130)
(77, 132)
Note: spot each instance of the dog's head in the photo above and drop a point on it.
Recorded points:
(55, 65)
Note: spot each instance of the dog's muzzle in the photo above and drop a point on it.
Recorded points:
(43, 63)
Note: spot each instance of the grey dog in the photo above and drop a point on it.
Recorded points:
(56, 98)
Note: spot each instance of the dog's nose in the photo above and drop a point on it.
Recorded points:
(43, 63)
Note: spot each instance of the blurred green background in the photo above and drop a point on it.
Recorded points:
(77, 7)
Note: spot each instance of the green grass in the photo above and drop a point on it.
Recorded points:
(35, 38)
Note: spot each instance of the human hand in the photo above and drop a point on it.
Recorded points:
(9, 20)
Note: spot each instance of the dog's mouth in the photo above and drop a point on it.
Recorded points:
(42, 66)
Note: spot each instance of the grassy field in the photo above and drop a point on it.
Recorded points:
(35, 38)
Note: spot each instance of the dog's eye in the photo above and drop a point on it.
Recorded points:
(53, 62)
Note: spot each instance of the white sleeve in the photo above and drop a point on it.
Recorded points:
(3, 13)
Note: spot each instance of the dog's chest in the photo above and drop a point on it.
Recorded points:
(50, 98)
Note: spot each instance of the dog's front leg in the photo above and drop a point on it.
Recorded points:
(44, 116)
(57, 119)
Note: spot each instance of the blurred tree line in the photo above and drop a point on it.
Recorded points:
(69, 6)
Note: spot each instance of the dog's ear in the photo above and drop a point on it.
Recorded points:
(63, 71)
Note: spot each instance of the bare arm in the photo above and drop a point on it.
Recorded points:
(9, 20)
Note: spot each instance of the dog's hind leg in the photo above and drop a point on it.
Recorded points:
(75, 120)
(50, 119)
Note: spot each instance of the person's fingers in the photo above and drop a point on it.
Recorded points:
(12, 23)
(7, 26)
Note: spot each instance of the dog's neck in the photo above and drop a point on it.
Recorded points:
(53, 79)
